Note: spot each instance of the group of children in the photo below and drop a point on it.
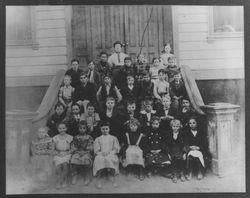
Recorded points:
(131, 117)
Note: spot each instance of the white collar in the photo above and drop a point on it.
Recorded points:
(144, 112)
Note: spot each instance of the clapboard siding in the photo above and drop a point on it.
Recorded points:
(51, 54)
(38, 71)
(193, 47)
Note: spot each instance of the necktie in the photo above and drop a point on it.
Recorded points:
(118, 56)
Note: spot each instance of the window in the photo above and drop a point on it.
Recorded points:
(19, 25)
(226, 21)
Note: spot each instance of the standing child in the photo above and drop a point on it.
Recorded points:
(93, 74)
(62, 154)
(177, 90)
(66, 92)
(156, 154)
(82, 151)
(57, 117)
(103, 66)
(177, 150)
(74, 72)
(132, 152)
(41, 150)
(197, 148)
(106, 148)
(166, 53)
(92, 119)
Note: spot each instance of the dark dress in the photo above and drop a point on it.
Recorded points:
(53, 121)
(146, 90)
(155, 141)
(75, 76)
(87, 92)
(130, 94)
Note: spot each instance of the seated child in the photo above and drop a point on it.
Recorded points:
(155, 68)
(177, 150)
(141, 65)
(131, 90)
(82, 151)
(128, 69)
(92, 118)
(171, 68)
(156, 154)
(106, 148)
(197, 149)
(74, 119)
(132, 152)
(85, 93)
(108, 89)
(66, 92)
(177, 90)
(146, 116)
(41, 151)
(186, 112)
(161, 86)
(57, 117)
(166, 54)
(62, 154)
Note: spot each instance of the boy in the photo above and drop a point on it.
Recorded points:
(146, 87)
(171, 68)
(103, 66)
(74, 72)
(66, 92)
(93, 74)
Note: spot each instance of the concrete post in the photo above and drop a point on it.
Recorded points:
(221, 129)
(18, 136)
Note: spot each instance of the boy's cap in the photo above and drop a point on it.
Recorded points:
(117, 42)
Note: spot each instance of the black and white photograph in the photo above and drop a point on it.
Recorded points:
(107, 99)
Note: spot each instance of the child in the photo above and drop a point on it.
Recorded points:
(171, 68)
(66, 92)
(127, 70)
(161, 85)
(62, 154)
(92, 118)
(132, 151)
(58, 116)
(177, 150)
(93, 74)
(106, 148)
(82, 151)
(146, 88)
(155, 68)
(41, 150)
(186, 112)
(112, 115)
(177, 90)
(131, 90)
(103, 67)
(156, 154)
(108, 89)
(74, 119)
(85, 93)
(74, 72)
(197, 148)
(166, 54)
(142, 65)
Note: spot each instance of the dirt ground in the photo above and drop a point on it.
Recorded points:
(21, 182)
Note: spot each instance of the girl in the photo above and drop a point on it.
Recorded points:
(156, 153)
(108, 89)
(74, 119)
(42, 150)
(161, 86)
(177, 150)
(66, 92)
(197, 148)
(106, 148)
(57, 117)
(82, 150)
(132, 151)
(166, 53)
(155, 68)
(62, 154)
(92, 118)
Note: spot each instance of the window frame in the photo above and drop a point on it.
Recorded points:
(220, 35)
(33, 43)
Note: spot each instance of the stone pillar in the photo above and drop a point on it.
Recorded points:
(221, 130)
(18, 136)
